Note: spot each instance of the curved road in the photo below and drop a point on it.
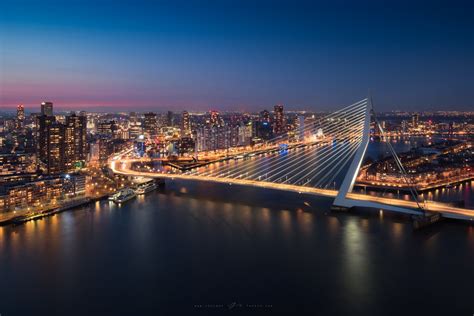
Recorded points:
(445, 209)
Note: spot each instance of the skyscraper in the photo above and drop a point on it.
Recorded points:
(47, 108)
(20, 115)
(50, 144)
(150, 125)
(279, 126)
(42, 124)
(169, 119)
(214, 119)
(263, 127)
(265, 116)
(185, 124)
(75, 141)
(301, 127)
(415, 119)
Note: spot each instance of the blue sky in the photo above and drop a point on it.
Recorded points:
(237, 54)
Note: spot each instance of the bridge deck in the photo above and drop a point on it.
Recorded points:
(396, 205)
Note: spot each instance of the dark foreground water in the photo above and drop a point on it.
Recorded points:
(213, 249)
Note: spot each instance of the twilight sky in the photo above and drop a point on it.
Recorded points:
(236, 54)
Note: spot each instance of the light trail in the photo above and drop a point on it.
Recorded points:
(446, 210)
(248, 165)
(330, 128)
(345, 131)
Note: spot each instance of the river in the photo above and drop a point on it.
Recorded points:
(201, 248)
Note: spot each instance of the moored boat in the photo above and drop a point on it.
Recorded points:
(146, 187)
(123, 195)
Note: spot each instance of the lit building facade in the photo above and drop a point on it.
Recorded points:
(279, 120)
(185, 124)
(47, 108)
(150, 124)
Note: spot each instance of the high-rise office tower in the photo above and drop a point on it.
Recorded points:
(265, 116)
(185, 124)
(75, 141)
(150, 124)
(20, 116)
(169, 119)
(279, 126)
(20, 113)
(214, 119)
(47, 108)
(301, 127)
(50, 144)
(263, 127)
(42, 124)
(415, 120)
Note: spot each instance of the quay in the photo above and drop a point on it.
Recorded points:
(19, 217)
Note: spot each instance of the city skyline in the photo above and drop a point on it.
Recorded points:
(171, 157)
(236, 57)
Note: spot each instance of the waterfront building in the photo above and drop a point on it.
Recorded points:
(185, 145)
(16, 195)
(216, 137)
(202, 136)
(73, 184)
(245, 134)
(263, 130)
(36, 193)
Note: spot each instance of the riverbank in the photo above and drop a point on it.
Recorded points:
(406, 188)
(19, 217)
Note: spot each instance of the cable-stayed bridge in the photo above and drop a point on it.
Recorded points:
(321, 158)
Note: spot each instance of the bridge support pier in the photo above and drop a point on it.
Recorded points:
(422, 221)
(338, 208)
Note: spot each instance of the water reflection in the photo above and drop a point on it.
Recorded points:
(357, 262)
(177, 249)
(285, 220)
(333, 225)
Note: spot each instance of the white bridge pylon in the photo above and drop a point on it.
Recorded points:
(323, 152)
(343, 198)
